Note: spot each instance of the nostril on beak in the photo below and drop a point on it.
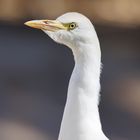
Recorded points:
(46, 22)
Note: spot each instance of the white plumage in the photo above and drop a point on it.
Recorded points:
(81, 119)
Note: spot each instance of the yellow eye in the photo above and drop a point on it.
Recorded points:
(72, 26)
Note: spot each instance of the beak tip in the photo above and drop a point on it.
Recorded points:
(34, 24)
(27, 23)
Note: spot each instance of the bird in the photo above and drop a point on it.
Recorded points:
(81, 119)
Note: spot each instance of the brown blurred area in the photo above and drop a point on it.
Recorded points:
(35, 71)
(110, 12)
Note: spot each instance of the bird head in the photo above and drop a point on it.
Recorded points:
(69, 29)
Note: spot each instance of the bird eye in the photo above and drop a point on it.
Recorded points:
(72, 26)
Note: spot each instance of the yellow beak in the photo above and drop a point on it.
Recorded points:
(49, 25)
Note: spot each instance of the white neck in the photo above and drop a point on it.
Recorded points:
(81, 119)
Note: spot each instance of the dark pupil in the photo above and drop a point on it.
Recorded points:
(72, 25)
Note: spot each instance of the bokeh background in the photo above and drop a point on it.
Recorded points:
(35, 71)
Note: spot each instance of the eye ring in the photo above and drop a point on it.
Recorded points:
(72, 25)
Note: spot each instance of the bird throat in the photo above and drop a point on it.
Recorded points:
(81, 116)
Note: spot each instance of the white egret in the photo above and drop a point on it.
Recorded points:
(81, 119)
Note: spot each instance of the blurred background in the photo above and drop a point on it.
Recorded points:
(35, 71)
